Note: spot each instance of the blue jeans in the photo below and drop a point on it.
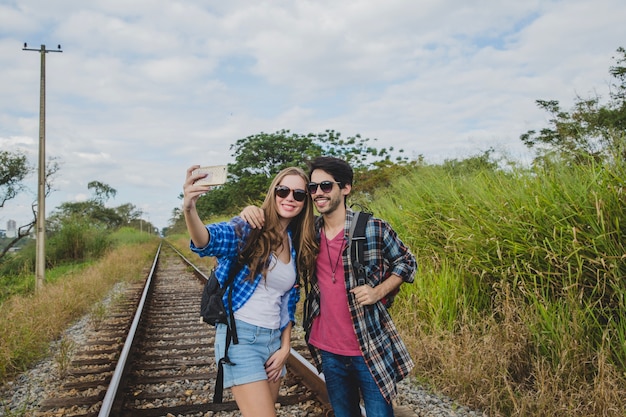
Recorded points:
(346, 377)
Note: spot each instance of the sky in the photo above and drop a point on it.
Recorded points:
(146, 88)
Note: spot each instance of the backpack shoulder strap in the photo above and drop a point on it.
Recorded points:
(357, 239)
(231, 334)
(228, 285)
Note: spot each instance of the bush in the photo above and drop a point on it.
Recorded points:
(76, 241)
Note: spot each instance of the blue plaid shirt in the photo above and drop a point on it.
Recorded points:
(224, 244)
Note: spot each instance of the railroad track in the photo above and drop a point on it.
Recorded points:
(153, 356)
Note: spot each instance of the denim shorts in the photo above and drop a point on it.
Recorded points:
(256, 345)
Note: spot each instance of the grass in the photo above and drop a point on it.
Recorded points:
(63, 356)
(29, 322)
(518, 308)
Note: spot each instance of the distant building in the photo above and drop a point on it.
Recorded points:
(3, 233)
(11, 229)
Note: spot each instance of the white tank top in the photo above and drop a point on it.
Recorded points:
(264, 306)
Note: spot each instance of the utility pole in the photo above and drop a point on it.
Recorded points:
(40, 261)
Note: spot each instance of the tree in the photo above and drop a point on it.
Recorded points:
(102, 191)
(128, 213)
(14, 169)
(93, 211)
(258, 158)
(52, 167)
(619, 73)
(483, 161)
(590, 130)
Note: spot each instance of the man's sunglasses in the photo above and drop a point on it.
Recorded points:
(283, 191)
(326, 186)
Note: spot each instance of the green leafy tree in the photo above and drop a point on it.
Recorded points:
(93, 211)
(102, 192)
(380, 176)
(619, 73)
(128, 212)
(259, 157)
(591, 130)
(483, 161)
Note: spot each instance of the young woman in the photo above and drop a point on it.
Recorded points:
(275, 258)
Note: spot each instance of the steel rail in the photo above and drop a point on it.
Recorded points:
(310, 377)
(196, 271)
(120, 368)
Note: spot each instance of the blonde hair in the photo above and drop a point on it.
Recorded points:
(262, 243)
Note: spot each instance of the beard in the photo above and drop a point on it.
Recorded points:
(329, 204)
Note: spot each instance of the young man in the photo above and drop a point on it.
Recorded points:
(351, 335)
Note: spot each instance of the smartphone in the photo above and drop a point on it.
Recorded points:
(216, 175)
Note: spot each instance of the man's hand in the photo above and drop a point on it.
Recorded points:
(254, 216)
(366, 295)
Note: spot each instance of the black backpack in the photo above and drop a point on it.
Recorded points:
(357, 241)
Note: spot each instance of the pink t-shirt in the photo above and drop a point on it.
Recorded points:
(332, 330)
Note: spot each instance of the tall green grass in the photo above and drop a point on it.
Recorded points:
(536, 255)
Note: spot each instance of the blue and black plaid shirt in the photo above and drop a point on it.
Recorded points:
(224, 244)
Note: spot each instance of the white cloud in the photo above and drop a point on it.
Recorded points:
(145, 88)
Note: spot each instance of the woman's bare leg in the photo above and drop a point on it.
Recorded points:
(255, 399)
(274, 388)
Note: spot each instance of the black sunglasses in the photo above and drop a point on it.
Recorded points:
(326, 186)
(283, 191)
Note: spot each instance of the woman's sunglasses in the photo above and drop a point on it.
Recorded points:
(326, 186)
(283, 191)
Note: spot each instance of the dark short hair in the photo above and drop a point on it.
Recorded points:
(340, 170)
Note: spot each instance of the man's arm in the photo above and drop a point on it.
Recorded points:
(255, 216)
(366, 295)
